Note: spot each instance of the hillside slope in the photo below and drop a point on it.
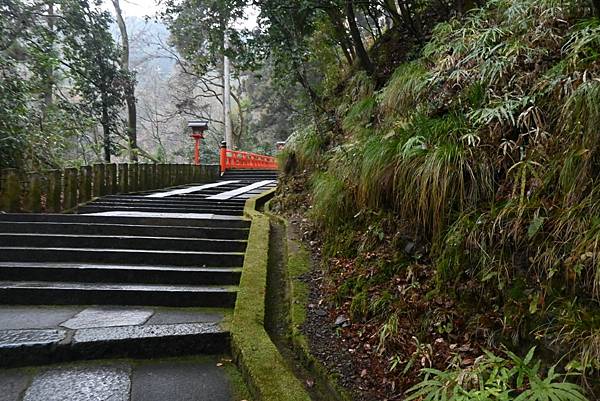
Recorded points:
(458, 206)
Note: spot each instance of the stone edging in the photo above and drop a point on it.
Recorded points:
(261, 364)
(298, 263)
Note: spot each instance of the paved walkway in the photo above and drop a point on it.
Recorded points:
(148, 275)
(203, 379)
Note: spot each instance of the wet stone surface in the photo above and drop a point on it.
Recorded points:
(174, 317)
(107, 317)
(15, 338)
(173, 381)
(12, 384)
(149, 331)
(81, 384)
(26, 317)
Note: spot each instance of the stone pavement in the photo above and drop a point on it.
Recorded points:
(146, 275)
(40, 334)
(190, 379)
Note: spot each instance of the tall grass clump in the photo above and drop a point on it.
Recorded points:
(303, 150)
(437, 171)
(404, 91)
(332, 203)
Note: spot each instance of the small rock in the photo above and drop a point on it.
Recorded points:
(409, 247)
(321, 312)
(341, 320)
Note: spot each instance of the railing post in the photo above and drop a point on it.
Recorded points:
(141, 169)
(153, 180)
(70, 188)
(123, 178)
(85, 184)
(34, 194)
(223, 156)
(111, 179)
(98, 188)
(53, 201)
(11, 191)
(133, 177)
(176, 174)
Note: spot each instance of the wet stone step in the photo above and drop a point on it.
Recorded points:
(172, 199)
(101, 208)
(120, 242)
(60, 293)
(79, 333)
(202, 198)
(24, 317)
(151, 221)
(197, 378)
(44, 346)
(116, 256)
(106, 273)
(123, 230)
(165, 202)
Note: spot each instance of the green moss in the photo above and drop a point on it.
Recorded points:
(263, 367)
(299, 263)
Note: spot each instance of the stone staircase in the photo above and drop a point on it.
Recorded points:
(135, 275)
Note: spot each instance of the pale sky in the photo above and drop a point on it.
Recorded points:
(141, 8)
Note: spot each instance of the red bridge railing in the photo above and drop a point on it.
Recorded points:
(235, 159)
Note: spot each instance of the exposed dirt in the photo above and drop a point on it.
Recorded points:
(326, 339)
(349, 345)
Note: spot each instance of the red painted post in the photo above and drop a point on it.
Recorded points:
(223, 156)
(198, 127)
(197, 149)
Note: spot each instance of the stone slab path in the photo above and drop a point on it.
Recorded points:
(146, 275)
(190, 379)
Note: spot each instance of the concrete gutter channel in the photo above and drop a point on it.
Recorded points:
(267, 343)
(265, 370)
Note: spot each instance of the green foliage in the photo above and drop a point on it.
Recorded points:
(59, 78)
(581, 112)
(332, 202)
(357, 119)
(495, 377)
(14, 110)
(404, 91)
(485, 149)
(303, 149)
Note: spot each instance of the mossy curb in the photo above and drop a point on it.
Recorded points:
(298, 263)
(263, 367)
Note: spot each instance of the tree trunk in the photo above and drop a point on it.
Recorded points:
(105, 129)
(412, 21)
(361, 52)
(240, 134)
(341, 34)
(596, 4)
(129, 87)
(392, 9)
(49, 84)
(462, 6)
